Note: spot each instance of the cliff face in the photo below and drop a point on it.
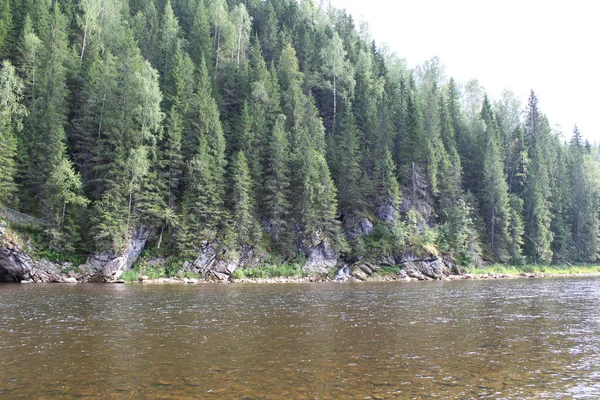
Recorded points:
(106, 267)
(17, 266)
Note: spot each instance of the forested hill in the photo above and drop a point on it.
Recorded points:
(275, 126)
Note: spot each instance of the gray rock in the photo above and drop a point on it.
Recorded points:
(18, 266)
(221, 277)
(385, 260)
(366, 227)
(356, 226)
(105, 267)
(426, 269)
(319, 252)
(365, 268)
(321, 257)
(423, 266)
(386, 211)
(373, 267)
(359, 274)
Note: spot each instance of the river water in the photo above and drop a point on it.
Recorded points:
(513, 339)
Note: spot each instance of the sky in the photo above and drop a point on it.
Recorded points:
(552, 47)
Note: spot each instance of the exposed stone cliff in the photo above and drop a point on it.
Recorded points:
(17, 266)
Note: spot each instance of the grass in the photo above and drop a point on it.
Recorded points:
(387, 270)
(189, 275)
(269, 271)
(535, 269)
(130, 276)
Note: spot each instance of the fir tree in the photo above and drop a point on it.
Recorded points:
(242, 206)
(537, 214)
(494, 189)
(277, 181)
(12, 112)
(347, 165)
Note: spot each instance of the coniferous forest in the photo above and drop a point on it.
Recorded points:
(276, 127)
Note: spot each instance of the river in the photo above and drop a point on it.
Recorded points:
(509, 339)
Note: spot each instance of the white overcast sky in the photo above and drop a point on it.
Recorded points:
(551, 47)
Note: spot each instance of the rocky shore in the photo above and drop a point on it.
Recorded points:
(324, 279)
(16, 265)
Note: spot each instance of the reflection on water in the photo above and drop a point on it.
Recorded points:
(464, 339)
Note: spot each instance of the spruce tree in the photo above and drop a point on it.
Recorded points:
(494, 189)
(583, 212)
(537, 214)
(242, 207)
(347, 165)
(6, 27)
(44, 139)
(12, 112)
(275, 208)
(125, 142)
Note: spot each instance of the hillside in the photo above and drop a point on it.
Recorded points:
(240, 134)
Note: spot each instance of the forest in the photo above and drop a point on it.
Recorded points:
(273, 126)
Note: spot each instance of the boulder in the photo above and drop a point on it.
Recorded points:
(359, 274)
(366, 269)
(373, 267)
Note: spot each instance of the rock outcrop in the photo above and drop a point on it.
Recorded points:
(215, 263)
(411, 266)
(320, 255)
(107, 266)
(212, 262)
(356, 226)
(18, 266)
(423, 266)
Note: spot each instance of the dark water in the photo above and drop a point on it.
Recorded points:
(466, 339)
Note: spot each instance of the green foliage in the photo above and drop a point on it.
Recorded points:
(35, 242)
(130, 276)
(12, 113)
(271, 125)
(244, 223)
(384, 240)
(389, 270)
(535, 269)
(269, 271)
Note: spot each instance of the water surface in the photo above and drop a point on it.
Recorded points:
(461, 339)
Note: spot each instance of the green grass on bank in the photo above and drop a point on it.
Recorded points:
(133, 275)
(295, 270)
(389, 270)
(534, 269)
(270, 271)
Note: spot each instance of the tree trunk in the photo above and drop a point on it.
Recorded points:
(239, 46)
(62, 218)
(83, 44)
(334, 105)
(161, 236)
(129, 209)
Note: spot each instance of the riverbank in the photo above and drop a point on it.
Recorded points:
(490, 273)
